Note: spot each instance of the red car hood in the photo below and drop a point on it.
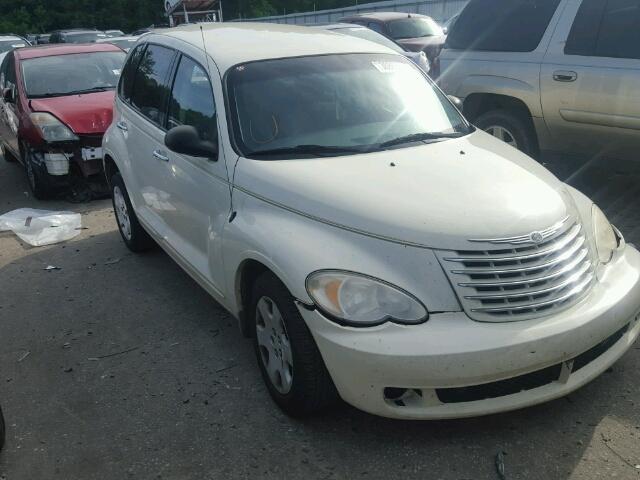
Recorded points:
(89, 114)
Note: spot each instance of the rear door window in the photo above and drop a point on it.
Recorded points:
(151, 84)
(606, 28)
(125, 88)
(502, 25)
(192, 100)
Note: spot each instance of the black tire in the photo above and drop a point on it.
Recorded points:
(8, 156)
(312, 389)
(518, 126)
(136, 239)
(37, 177)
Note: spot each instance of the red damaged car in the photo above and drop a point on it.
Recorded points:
(57, 102)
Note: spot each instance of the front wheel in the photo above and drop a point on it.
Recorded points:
(37, 177)
(134, 235)
(289, 359)
(510, 127)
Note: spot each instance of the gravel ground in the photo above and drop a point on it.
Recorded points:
(119, 366)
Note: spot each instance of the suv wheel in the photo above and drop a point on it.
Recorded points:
(511, 128)
(36, 177)
(289, 359)
(134, 235)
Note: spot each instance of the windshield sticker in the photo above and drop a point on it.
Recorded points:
(389, 67)
(116, 71)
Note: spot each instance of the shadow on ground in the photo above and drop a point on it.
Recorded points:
(130, 370)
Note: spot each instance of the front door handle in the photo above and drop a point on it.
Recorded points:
(565, 76)
(122, 126)
(160, 155)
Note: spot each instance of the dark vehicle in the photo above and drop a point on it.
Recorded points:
(419, 58)
(57, 102)
(412, 31)
(43, 39)
(114, 33)
(76, 36)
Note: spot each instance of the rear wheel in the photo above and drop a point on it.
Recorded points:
(134, 235)
(288, 356)
(510, 127)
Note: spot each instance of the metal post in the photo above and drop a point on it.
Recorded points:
(186, 14)
(221, 19)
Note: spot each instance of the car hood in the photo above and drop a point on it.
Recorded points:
(438, 195)
(89, 114)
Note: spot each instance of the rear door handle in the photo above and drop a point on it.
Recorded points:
(160, 155)
(122, 126)
(565, 76)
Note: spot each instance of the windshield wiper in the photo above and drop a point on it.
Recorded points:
(418, 137)
(91, 90)
(74, 92)
(317, 150)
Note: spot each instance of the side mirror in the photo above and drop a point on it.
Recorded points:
(445, 30)
(456, 101)
(186, 140)
(7, 95)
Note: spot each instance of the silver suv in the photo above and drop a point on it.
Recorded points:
(549, 76)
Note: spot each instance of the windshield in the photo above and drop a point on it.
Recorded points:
(372, 36)
(7, 45)
(86, 37)
(343, 103)
(413, 28)
(61, 75)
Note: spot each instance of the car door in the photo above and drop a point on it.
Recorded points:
(198, 188)
(9, 121)
(590, 79)
(142, 119)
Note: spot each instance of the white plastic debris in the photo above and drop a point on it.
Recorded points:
(41, 227)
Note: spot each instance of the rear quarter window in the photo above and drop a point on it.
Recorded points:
(502, 25)
(606, 29)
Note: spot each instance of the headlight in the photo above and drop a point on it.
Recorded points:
(52, 129)
(359, 300)
(606, 238)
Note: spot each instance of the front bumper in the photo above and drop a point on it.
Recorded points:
(420, 371)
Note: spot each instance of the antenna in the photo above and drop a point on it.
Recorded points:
(232, 214)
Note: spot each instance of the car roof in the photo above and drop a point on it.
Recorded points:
(124, 38)
(229, 44)
(10, 36)
(335, 26)
(64, 49)
(385, 16)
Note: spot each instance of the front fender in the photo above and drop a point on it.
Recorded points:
(499, 85)
(292, 246)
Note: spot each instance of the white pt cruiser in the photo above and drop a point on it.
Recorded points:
(374, 245)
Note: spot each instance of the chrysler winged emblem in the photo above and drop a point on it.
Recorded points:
(536, 237)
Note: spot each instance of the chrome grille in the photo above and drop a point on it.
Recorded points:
(521, 279)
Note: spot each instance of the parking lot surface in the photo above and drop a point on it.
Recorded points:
(120, 366)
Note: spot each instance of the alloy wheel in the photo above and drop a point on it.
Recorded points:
(503, 134)
(274, 345)
(122, 213)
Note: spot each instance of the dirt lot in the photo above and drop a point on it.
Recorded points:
(120, 366)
